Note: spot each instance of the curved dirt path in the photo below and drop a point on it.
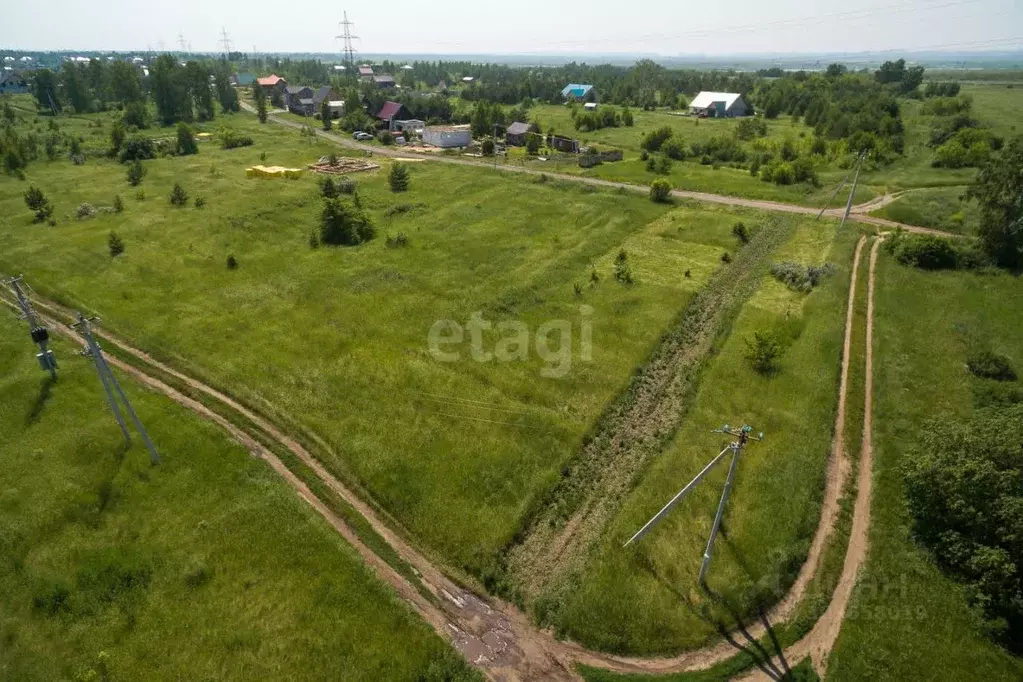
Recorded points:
(491, 634)
(858, 213)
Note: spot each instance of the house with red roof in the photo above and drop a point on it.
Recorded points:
(273, 85)
(391, 112)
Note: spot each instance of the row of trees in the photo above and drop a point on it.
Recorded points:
(181, 93)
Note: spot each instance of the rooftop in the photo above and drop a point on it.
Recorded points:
(707, 99)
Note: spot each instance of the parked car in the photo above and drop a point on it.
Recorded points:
(361, 136)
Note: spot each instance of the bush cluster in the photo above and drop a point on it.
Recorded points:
(931, 252)
(801, 277)
(342, 223)
(962, 485)
(230, 139)
(988, 365)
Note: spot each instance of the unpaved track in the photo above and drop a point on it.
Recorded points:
(858, 212)
(491, 634)
(819, 642)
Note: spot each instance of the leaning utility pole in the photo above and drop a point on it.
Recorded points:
(736, 447)
(856, 177)
(347, 50)
(40, 335)
(110, 385)
(833, 195)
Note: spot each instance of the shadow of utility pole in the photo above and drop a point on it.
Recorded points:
(45, 391)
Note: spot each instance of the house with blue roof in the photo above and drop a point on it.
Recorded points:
(578, 92)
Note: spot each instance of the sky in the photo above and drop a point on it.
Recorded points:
(655, 27)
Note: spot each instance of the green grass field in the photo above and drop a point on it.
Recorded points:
(644, 599)
(906, 620)
(336, 340)
(942, 208)
(205, 567)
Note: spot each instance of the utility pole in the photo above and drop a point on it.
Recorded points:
(346, 37)
(833, 195)
(742, 437)
(226, 42)
(110, 386)
(181, 41)
(40, 335)
(856, 177)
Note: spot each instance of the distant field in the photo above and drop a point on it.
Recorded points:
(205, 567)
(906, 620)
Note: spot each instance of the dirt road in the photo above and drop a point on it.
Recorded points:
(491, 634)
(859, 213)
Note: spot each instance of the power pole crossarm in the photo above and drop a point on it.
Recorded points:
(40, 335)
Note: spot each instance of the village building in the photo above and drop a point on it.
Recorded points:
(447, 137)
(718, 105)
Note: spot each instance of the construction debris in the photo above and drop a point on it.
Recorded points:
(342, 165)
(272, 172)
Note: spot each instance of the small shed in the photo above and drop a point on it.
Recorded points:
(590, 106)
(447, 137)
(243, 79)
(366, 72)
(384, 81)
(718, 105)
(516, 134)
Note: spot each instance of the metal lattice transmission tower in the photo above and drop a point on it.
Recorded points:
(110, 386)
(225, 41)
(40, 335)
(346, 38)
(181, 42)
(742, 437)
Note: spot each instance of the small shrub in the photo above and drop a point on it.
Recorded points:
(763, 351)
(198, 575)
(578, 288)
(137, 148)
(178, 196)
(232, 262)
(398, 178)
(262, 157)
(923, 251)
(327, 187)
(314, 241)
(346, 185)
(331, 159)
(644, 155)
(663, 165)
(344, 224)
(230, 139)
(688, 274)
(988, 365)
(200, 201)
(118, 203)
(85, 210)
(186, 141)
(726, 258)
(115, 244)
(622, 271)
(487, 147)
(135, 173)
(741, 232)
(660, 191)
(801, 278)
(594, 277)
(140, 195)
(397, 242)
(398, 209)
(38, 203)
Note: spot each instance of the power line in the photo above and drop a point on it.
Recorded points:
(110, 386)
(743, 436)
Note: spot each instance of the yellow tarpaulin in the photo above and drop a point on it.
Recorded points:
(272, 172)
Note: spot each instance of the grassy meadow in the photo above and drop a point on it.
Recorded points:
(207, 566)
(906, 620)
(644, 599)
(941, 208)
(335, 340)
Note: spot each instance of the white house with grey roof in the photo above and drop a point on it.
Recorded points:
(718, 105)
